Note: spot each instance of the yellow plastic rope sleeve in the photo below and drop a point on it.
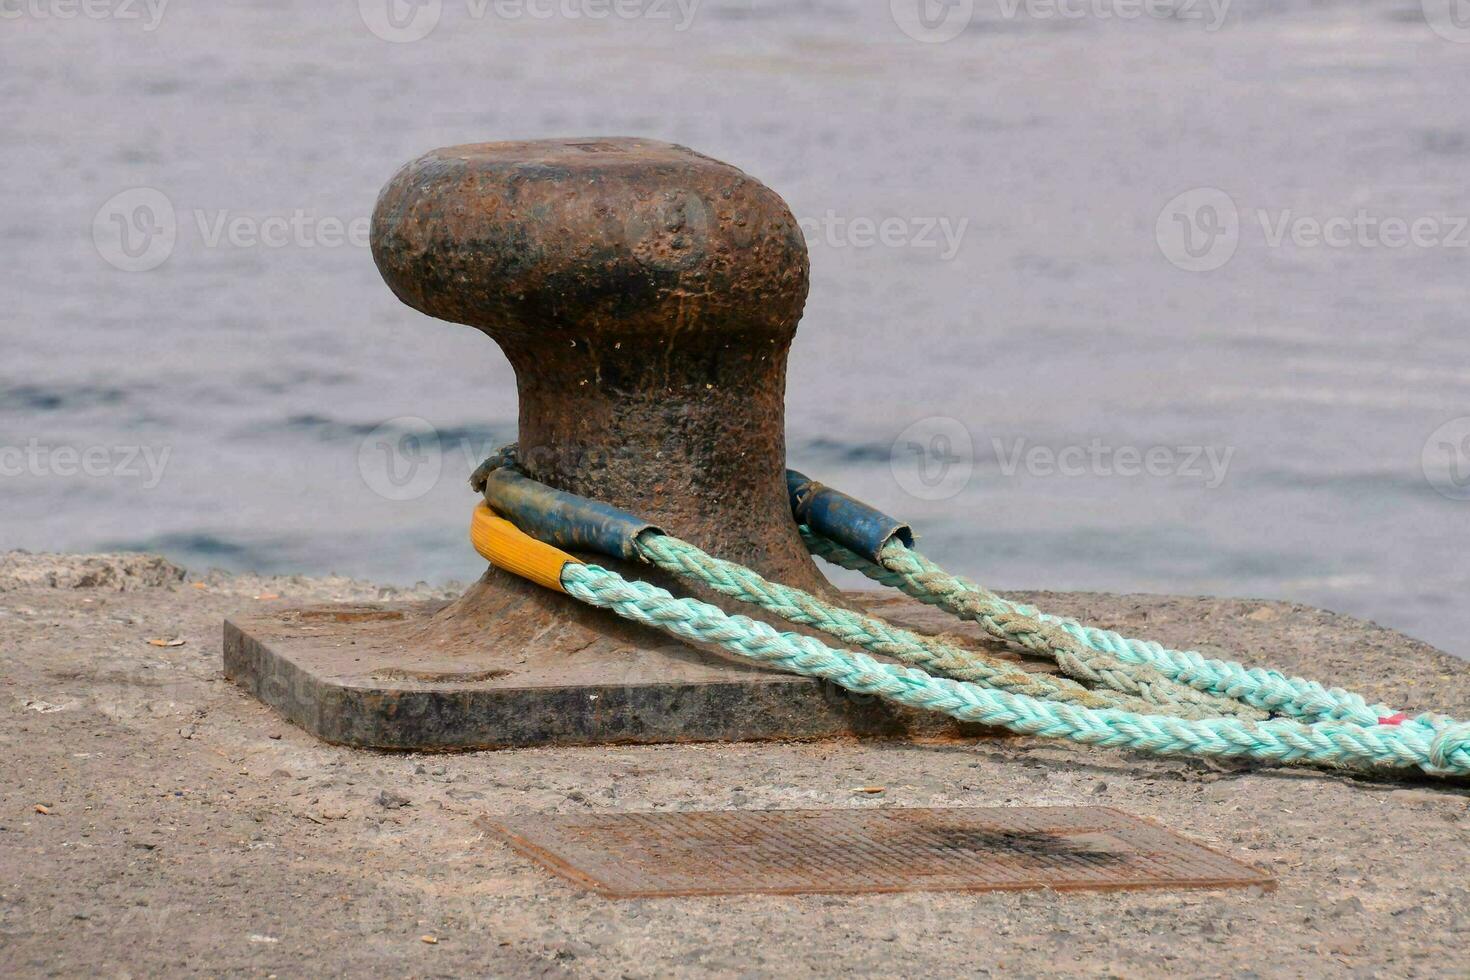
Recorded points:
(506, 546)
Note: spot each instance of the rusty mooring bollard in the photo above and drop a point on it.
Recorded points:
(646, 296)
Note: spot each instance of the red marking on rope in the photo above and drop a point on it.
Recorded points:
(1397, 719)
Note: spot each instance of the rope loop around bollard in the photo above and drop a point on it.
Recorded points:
(1120, 692)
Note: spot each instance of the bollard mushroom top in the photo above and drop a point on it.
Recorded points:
(587, 238)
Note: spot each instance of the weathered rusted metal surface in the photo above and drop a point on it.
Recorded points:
(382, 677)
(789, 852)
(646, 296)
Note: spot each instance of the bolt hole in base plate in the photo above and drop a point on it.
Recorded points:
(899, 849)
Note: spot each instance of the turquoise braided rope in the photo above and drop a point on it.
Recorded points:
(1439, 747)
(1266, 689)
(798, 606)
(1075, 657)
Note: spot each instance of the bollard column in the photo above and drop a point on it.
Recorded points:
(646, 296)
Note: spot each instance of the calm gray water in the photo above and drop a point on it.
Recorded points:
(1082, 387)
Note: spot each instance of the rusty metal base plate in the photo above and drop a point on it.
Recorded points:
(378, 675)
(792, 852)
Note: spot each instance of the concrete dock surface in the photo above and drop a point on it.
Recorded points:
(156, 820)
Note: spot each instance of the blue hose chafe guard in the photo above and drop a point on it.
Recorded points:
(504, 456)
(846, 520)
(559, 518)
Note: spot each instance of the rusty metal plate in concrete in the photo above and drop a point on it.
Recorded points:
(423, 677)
(788, 852)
